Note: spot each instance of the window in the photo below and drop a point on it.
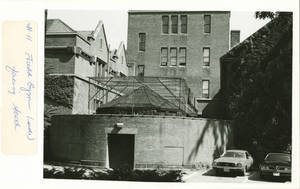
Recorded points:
(205, 88)
(182, 56)
(247, 155)
(165, 24)
(101, 43)
(207, 22)
(96, 69)
(141, 70)
(174, 19)
(142, 41)
(206, 56)
(173, 56)
(101, 69)
(164, 56)
(96, 104)
(183, 21)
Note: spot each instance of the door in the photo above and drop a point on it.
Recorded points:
(121, 150)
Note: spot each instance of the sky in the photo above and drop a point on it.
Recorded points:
(115, 22)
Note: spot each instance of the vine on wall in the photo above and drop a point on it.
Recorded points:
(60, 89)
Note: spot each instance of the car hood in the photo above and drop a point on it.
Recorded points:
(285, 163)
(229, 160)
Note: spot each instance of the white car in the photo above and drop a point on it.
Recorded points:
(233, 161)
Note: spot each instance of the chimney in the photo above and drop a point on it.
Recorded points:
(234, 38)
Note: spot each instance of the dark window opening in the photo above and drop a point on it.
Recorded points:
(141, 70)
(165, 24)
(142, 41)
(207, 23)
(183, 19)
(174, 19)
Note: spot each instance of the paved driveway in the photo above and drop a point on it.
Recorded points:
(210, 176)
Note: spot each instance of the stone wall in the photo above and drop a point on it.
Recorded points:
(60, 40)
(159, 141)
(59, 61)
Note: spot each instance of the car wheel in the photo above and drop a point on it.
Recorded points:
(218, 172)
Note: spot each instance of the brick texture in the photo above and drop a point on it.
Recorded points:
(194, 41)
(159, 141)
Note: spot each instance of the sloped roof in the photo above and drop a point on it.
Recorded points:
(121, 48)
(142, 97)
(85, 34)
(58, 26)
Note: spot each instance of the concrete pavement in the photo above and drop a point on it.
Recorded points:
(210, 176)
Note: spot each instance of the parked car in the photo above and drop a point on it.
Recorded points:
(233, 161)
(276, 165)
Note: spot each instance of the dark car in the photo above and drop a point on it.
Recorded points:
(276, 165)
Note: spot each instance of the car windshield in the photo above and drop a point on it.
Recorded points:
(234, 154)
(278, 157)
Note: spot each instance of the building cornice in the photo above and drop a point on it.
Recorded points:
(67, 33)
(79, 52)
(92, 82)
(175, 11)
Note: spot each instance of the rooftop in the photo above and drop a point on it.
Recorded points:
(175, 11)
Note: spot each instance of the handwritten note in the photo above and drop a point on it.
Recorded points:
(19, 87)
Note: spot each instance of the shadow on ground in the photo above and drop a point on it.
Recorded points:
(212, 172)
(256, 177)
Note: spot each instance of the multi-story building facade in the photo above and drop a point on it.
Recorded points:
(71, 58)
(117, 65)
(185, 44)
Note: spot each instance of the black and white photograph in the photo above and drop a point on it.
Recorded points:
(149, 94)
(181, 96)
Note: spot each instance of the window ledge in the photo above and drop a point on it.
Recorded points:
(169, 66)
(203, 99)
(184, 34)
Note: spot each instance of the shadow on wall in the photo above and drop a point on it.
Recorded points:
(216, 108)
(58, 62)
(221, 133)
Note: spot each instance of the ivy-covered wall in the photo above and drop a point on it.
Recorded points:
(257, 85)
(59, 90)
(58, 99)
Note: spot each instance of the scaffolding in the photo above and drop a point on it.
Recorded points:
(174, 90)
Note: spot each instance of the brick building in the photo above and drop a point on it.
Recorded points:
(186, 44)
(71, 57)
